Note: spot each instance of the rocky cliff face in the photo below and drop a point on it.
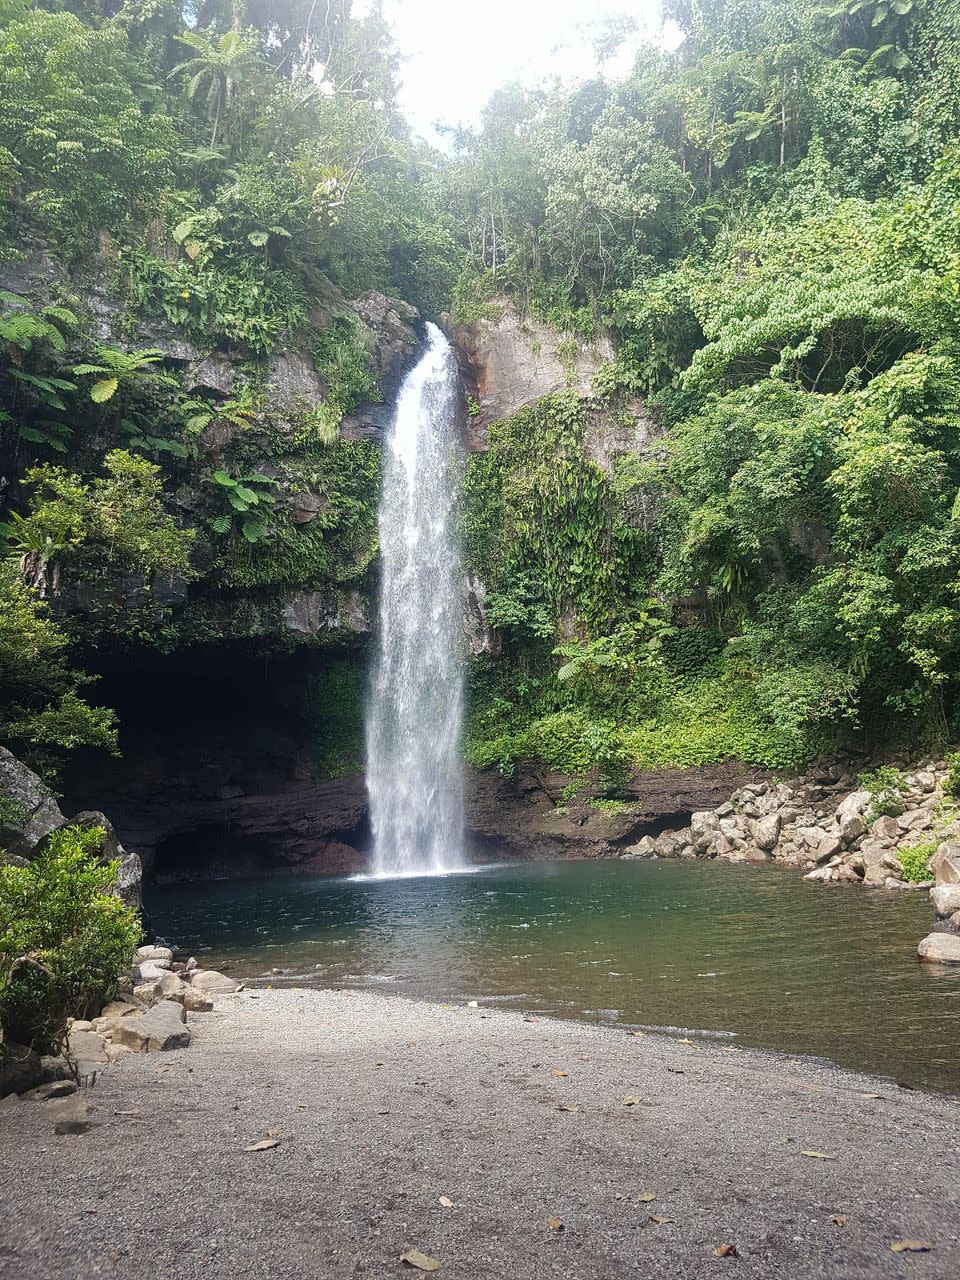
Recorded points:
(508, 361)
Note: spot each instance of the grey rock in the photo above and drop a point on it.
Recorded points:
(209, 980)
(149, 971)
(946, 899)
(303, 507)
(945, 863)
(216, 372)
(47, 1092)
(160, 1028)
(42, 813)
(163, 955)
(828, 848)
(148, 993)
(852, 827)
(766, 833)
(886, 828)
(87, 1046)
(856, 802)
(915, 820)
(196, 1001)
(173, 987)
(941, 948)
(292, 382)
(315, 613)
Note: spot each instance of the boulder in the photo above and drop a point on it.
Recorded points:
(87, 1046)
(20, 1068)
(946, 899)
(829, 847)
(940, 948)
(47, 1092)
(159, 1029)
(945, 863)
(40, 812)
(129, 882)
(886, 828)
(212, 982)
(852, 827)
(196, 1001)
(149, 971)
(148, 993)
(855, 803)
(172, 987)
(119, 1009)
(161, 955)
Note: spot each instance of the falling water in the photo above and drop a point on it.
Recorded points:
(414, 776)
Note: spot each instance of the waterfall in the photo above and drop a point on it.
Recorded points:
(414, 775)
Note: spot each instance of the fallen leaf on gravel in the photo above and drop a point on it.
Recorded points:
(131, 1112)
(646, 1196)
(659, 1219)
(677, 1071)
(555, 1224)
(446, 1202)
(264, 1145)
(838, 1219)
(637, 1033)
(817, 1155)
(871, 1095)
(531, 1019)
(558, 1074)
(726, 1251)
(566, 1106)
(632, 1101)
(911, 1246)
(414, 1258)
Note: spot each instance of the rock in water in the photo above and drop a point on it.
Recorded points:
(946, 899)
(945, 863)
(942, 948)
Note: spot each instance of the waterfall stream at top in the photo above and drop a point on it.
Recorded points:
(414, 773)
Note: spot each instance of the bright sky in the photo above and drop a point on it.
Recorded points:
(456, 55)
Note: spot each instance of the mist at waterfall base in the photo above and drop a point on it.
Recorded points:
(414, 772)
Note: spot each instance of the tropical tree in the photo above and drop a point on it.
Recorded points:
(218, 66)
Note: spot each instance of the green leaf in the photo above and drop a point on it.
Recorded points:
(104, 390)
(258, 238)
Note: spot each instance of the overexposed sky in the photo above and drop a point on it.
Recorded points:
(455, 55)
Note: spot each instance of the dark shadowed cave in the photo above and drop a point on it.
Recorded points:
(232, 763)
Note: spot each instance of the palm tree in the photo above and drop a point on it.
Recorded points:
(218, 65)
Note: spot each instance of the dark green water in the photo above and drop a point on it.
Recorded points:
(752, 952)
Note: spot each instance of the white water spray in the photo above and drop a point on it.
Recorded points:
(414, 776)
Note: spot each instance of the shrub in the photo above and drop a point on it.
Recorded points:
(951, 784)
(914, 861)
(65, 938)
(886, 786)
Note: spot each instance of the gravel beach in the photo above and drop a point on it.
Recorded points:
(496, 1145)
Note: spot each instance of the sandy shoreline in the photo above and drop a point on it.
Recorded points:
(383, 1105)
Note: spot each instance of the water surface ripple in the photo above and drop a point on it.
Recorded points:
(748, 951)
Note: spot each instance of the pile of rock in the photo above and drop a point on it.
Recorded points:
(822, 822)
(943, 944)
(150, 1017)
(153, 1017)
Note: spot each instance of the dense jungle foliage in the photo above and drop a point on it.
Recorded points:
(765, 220)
